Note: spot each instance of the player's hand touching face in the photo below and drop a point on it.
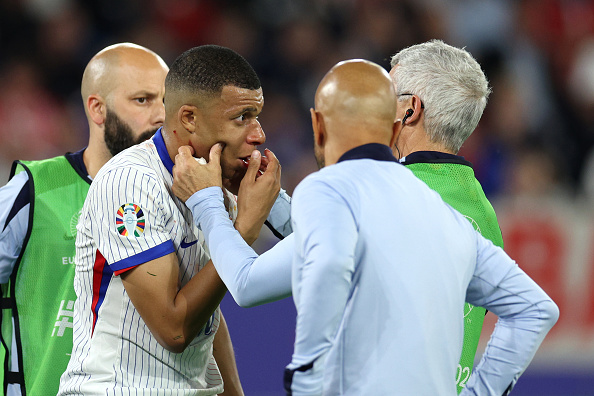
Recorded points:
(190, 175)
(257, 192)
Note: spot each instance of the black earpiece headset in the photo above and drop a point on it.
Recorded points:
(408, 113)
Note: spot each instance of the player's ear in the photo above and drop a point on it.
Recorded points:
(318, 126)
(187, 116)
(97, 109)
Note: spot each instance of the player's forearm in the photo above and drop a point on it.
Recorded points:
(250, 218)
(221, 238)
(189, 313)
(174, 316)
(252, 280)
(225, 358)
(248, 231)
(196, 302)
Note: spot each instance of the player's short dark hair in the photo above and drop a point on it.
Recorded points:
(208, 68)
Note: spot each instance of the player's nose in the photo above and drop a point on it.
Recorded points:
(256, 136)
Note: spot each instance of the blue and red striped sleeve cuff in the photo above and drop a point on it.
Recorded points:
(155, 252)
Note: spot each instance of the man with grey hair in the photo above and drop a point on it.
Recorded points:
(442, 93)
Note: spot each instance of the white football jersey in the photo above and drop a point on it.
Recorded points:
(130, 217)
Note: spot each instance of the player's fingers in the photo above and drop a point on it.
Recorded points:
(273, 166)
(253, 166)
(184, 154)
(263, 165)
(214, 157)
(186, 150)
(264, 162)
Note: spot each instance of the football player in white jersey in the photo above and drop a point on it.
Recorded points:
(148, 297)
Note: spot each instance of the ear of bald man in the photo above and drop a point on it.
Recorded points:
(319, 129)
(395, 133)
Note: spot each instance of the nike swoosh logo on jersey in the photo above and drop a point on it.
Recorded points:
(185, 244)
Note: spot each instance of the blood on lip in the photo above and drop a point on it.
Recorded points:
(246, 163)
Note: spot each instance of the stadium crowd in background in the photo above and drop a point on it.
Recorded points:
(537, 53)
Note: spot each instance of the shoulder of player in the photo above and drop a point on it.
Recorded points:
(135, 160)
(328, 179)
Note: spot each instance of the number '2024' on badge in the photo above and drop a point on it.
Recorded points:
(130, 220)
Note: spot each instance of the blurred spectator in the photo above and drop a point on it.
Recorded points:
(33, 124)
(581, 88)
(537, 54)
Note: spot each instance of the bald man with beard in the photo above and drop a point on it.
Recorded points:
(378, 264)
(122, 90)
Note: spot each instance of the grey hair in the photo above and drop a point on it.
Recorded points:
(451, 85)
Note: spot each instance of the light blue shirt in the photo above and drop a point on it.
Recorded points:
(381, 268)
(14, 221)
(250, 279)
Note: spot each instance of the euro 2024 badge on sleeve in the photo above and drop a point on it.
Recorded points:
(130, 220)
